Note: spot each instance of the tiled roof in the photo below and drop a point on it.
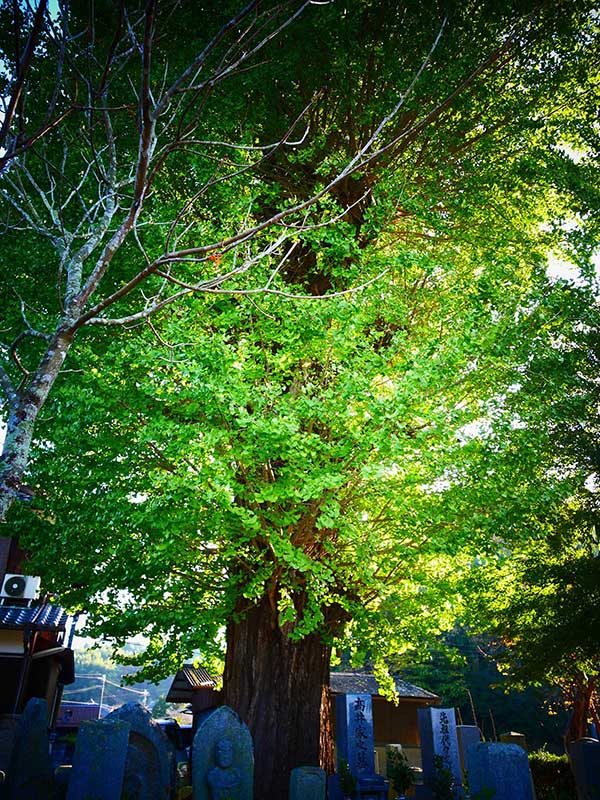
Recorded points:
(186, 681)
(44, 616)
(364, 683)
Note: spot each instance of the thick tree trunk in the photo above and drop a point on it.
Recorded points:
(277, 686)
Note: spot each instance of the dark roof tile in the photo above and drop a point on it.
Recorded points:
(44, 616)
(365, 683)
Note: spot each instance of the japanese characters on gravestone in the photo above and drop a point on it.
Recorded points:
(307, 783)
(30, 775)
(222, 758)
(150, 768)
(355, 744)
(501, 769)
(584, 755)
(354, 733)
(437, 730)
(99, 760)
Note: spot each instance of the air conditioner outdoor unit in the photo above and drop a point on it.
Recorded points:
(20, 587)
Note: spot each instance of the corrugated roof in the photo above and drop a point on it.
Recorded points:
(46, 616)
(188, 679)
(364, 683)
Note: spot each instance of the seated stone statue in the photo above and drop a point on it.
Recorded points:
(224, 780)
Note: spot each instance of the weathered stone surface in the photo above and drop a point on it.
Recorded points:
(466, 736)
(308, 783)
(30, 774)
(499, 768)
(585, 760)
(354, 737)
(354, 733)
(222, 758)
(8, 732)
(150, 769)
(437, 730)
(512, 737)
(99, 761)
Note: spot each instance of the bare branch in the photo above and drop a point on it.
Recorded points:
(183, 79)
(23, 66)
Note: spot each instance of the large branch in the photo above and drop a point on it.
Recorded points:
(367, 155)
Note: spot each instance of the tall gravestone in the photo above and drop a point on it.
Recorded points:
(99, 761)
(585, 761)
(499, 768)
(355, 744)
(30, 773)
(437, 731)
(150, 768)
(222, 758)
(466, 736)
(308, 783)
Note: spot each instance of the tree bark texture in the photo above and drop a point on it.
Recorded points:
(277, 686)
(581, 712)
(24, 410)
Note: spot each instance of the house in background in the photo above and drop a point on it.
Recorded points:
(36, 659)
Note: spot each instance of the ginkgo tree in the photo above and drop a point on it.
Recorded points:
(258, 472)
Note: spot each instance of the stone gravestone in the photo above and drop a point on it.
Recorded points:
(354, 735)
(512, 737)
(307, 783)
(585, 761)
(466, 736)
(499, 768)
(30, 774)
(222, 758)
(99, 761)
(8, 731)
(437, 731)
(150, 768)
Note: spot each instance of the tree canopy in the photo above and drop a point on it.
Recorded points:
(253, 443)
(291, 442)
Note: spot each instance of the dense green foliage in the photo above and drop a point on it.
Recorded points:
(552, 776)
(463, 670)
(319, 452)
(534, 463)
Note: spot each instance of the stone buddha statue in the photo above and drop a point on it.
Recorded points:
(224, 780)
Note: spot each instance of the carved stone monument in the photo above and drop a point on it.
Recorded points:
(499, 768)
(150, 768)
(354, 735)
(30, 774)
(437, 730)
(222, 758)
(99, 761)
(308, 783)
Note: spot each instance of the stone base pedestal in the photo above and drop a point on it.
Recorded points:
(375, 788)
